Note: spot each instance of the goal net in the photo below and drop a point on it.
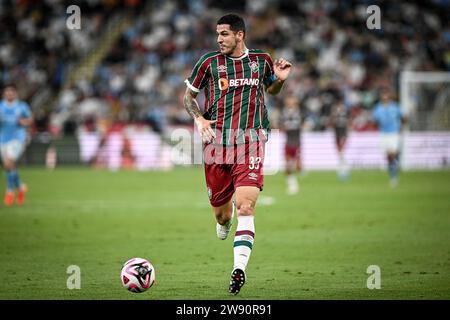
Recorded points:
(425, 99)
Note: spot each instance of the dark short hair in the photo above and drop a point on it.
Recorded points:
(9, 85)
(236, 22)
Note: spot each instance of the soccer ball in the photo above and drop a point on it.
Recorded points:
(137, 275)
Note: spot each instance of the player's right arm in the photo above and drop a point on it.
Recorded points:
(203, 125)
(25, 122)
(198, 80)
(375, 116)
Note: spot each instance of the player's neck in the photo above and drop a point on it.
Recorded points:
(10, 102)
(239, 51)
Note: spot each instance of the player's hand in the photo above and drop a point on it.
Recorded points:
(204, 128)
(282, 68)
(25, 122)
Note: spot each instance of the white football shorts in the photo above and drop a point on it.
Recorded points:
(390, 142)
(12, 150)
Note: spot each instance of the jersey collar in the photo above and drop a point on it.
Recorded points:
(241, 57)
(10, 104)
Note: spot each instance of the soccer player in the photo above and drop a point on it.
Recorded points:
(388, 116)
(340, 123)
(234, 128)
(291, 123)
(15, 116)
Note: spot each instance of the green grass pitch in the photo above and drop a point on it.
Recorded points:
(317, 245)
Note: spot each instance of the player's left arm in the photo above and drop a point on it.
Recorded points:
(349, 120)
(403, 120)
(331, 121)
(375, 112)
(26, 122)
(281, 69)
(26, 118)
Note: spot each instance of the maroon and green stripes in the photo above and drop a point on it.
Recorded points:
(244, 104)
(199, 75)
(234, 91)
(229, 103)
(244, 238)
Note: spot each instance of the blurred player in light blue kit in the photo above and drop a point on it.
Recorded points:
(388, 116)
(15, 116)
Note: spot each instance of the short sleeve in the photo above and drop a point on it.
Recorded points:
(199, 75)
(26, 111)
(375, 113)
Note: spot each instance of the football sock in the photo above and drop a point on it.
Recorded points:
(243, 241)
(291, 178)
(16, 178)
(292, 183)
(341, 159)
(392, 169)
(10, 180)
(342, 163)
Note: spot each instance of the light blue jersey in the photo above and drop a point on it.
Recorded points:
(10, 129)
(388, 116)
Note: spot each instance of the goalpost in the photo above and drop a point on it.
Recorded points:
(425, 100)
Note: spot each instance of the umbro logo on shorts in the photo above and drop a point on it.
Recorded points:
(253, 176)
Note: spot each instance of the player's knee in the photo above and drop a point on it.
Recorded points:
(9, 165)
(246, 208)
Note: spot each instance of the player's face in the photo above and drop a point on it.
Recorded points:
(10, 94)
(385, 97)
(227, 39)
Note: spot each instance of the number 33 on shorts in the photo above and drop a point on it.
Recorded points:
(254, 163)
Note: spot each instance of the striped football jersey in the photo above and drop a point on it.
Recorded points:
(234, 94)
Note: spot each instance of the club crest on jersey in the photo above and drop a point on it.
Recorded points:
(254, 66)
(222, 68)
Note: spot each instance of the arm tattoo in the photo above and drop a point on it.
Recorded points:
(191, 104)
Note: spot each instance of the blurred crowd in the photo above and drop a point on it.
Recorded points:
(37, 49)
(336, 57)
